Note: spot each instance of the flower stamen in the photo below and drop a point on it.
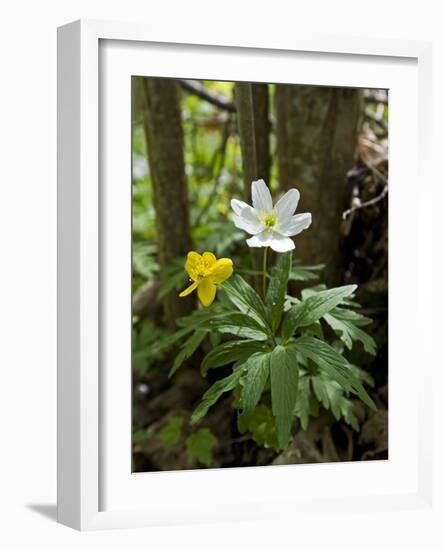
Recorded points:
(270, 221)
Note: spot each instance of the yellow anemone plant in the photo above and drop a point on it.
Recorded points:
(205, 272)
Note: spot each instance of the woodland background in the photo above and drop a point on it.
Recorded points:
(196, 145)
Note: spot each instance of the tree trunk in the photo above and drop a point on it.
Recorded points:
(164, 139)
(317, 131)
(253, 124)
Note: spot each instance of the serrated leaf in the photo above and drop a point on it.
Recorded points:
(302, 405)
(188, 348)
(199, 445)
(350, 315)
(362, 375)
(231, 352)
(332, 397)
(254, 382)
(347, 411)
(313, 308)
(240, 325)
(305, 272)
(143, 259)
(275, 297)
(334, 365)
(171, 432)
(201, 318)
(348, 331)
(335, 395)
(214, 393)
(246, 299)
(284, 382)
(320, 391)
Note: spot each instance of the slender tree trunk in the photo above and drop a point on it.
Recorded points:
(317, 131)
(164, 139)
(253, 123)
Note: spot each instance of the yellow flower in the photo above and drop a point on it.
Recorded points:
(206, 271)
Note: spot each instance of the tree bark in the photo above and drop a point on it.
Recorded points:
(317, 129)
(164, 140)
(252, 102)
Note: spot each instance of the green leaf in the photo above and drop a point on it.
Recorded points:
(284, 383)
(214, 393)
(139, 436)
(240, 325)
(174, 277)
(199, 445)
(344, 325)
(305, 272)
(244, 297)
(334, 365)
(201, 318)
(230, 352)
(275, 297)
(313, 308)
(302, 405)
(351, 316)
(171, 432)
(331, 395)
(312, 290)
(142, 358)
(143, 258)
(257, 373)
(261, 424)
(315, 329)
(347, 411)
(320, 391)
(362, 375)
(187, 350)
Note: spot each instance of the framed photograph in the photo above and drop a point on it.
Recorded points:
(233, 334)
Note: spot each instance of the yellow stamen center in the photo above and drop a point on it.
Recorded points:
(203, 269)
(270, 221)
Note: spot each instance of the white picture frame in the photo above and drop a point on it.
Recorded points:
(96, 491)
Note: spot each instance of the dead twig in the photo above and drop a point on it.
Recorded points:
(219, 100)
(359, 205)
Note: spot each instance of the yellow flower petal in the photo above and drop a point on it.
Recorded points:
(209, 259)
(188, 290)
(192, 262)
(206, 292)
(222, 270)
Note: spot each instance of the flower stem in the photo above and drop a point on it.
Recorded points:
(265, 261)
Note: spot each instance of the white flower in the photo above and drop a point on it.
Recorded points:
(270, 225)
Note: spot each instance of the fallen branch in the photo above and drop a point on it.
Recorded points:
(219, 100)
(366, 204)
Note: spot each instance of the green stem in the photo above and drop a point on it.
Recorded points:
(265, 260)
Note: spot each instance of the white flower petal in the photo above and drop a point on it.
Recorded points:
(282, 244)
(260, 240)
(277, 242)
(261, 197)
(287, 205)
(250, 226)
(295, 225)
(238, 206)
